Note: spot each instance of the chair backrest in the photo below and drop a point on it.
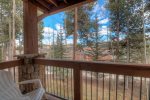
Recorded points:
(8, 88)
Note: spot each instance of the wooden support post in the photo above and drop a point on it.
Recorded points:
(77, 83)
(30, 71)
(30, 28)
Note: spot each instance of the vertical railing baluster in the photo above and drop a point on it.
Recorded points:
(67, 86)
(71, 85)
(97, 85)
(116, 87)
(14, 74)
(64, 82)
(141, 83)
(60, 80)
(50, 78)
(124, 87)
(56, 78)
(91, 85)
(132, 83)
(53, 80)
(44, 77)
(86, 84)
(47, 80)
(149, 88)
(103, 91)
(109, 86)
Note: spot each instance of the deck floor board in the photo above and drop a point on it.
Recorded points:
(49, 97)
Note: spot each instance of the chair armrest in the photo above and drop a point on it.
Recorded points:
(37, 81)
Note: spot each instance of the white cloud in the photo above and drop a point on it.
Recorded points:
(96, 7)
(58, 26)
(104, 26)
(50, 32)
(104, 21)
(100, 10)
(69, 41)
(48, 35)
(103, 8)
(104, 30)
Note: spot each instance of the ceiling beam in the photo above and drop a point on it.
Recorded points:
(54, 2)
(63, 7)
(45, 4)
(41, 7)
(65, 1)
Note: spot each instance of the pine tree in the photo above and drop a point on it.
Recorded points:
(95, 39)
(59, 49)
(130, 29)
(40, 33)
(83, 22)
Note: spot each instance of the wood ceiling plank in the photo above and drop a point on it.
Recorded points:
(44, 3)
(41, 7)
(64, 6)
(65, 1)
(54, 2)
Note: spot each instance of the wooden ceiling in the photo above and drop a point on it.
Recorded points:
(51, 6)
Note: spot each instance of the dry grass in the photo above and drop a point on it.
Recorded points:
(89, 92)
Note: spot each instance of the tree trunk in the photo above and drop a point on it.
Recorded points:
(10, 38)
(118, 31)
(75, 33)
(144, 38)
(2, 51)
(111, 47)
(53, 45)
(13, 28)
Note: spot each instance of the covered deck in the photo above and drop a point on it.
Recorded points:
(68, 79)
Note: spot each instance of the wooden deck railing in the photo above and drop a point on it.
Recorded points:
(12, 66)
(78, 80)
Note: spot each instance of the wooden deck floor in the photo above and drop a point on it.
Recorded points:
(49, 97)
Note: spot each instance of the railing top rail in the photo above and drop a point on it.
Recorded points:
(139, 70)
(10, 64)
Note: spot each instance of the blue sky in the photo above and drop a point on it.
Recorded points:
(54, 23)
(53, 20)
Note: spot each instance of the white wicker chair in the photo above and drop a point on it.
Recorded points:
(9, 90)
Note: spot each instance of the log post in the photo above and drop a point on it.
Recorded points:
(30, 27)
(29, 71)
